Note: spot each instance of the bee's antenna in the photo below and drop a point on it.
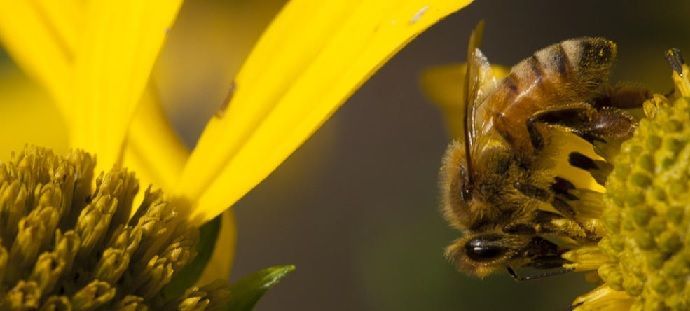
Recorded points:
(680, 72)
(675, 59)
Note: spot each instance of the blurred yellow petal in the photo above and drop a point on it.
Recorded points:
(312, 58)
(154, 151)
(604, 298)
(220, 264)
(29, 116)
(192, 86)
(445, 87)
(118, 48)
(41, 35)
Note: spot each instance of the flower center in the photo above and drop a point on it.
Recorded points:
(647, 212)
(67, 244)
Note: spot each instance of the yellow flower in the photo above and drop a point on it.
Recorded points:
(642, 260)
(94, 61)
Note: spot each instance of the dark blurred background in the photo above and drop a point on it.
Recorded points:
(356, 208)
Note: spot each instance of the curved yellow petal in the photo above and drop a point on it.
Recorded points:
(444, 86)
(220, 264)
(29, 115)
(604, 298)
(119, 45)
(154, 150)
(41, 35)
(311, 59)
(204, 51)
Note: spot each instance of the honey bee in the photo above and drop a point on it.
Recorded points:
(498, 187)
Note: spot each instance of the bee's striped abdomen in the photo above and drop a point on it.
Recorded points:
(568, 72)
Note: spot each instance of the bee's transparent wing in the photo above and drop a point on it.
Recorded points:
(480, 81)
(472, 82)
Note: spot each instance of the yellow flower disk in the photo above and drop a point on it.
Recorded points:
(647, 196)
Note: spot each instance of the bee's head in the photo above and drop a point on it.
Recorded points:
(481, 254)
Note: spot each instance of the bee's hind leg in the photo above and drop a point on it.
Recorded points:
(623, 96)
(552, 223)
(605, 127)
(575, 117)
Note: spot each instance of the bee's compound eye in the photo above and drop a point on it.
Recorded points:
(485, 248)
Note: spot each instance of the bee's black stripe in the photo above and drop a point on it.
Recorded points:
(536, 67)
(511, 83)
(586, 48)
(560, 60)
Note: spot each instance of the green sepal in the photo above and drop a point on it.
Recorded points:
(246, 292)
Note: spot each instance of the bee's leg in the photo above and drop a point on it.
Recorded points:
(521, 278)
(543, 255)
(546, 222)
(532, 191)
(623, 96)
(572, 204)
(570, 116)
(556, 197)
(606, 128)
(614, 126)
(520, 228)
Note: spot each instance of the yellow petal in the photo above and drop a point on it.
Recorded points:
(29, 115)
(445, 87)
(312, 58)
(603, 298)
(41, 35)
(154, 151)
(204, 51)
(118, 48)
(220, 264)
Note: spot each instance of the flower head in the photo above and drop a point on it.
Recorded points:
(642, 260)
(68, 245)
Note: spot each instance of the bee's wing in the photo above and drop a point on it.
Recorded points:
(472, 84)
(483, 82)
(480, 81)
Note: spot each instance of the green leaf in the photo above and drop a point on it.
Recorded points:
(247, 291)
(189, 275)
